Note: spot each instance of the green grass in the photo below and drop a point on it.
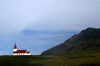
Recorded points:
(73, 58)
(82, 57)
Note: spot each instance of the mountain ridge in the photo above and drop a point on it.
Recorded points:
(88, 38)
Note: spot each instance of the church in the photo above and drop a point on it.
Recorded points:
(20, 52)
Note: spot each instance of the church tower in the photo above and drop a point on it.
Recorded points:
(15, 48)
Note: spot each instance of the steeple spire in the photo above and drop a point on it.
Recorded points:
(15, 47)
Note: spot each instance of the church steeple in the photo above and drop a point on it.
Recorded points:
(15, 48)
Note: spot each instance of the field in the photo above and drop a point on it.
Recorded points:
(75, 58)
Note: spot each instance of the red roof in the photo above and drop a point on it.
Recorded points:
(20, 51)
(15, 47)
(28, 52)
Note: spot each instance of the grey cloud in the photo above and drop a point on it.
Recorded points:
(18, 15)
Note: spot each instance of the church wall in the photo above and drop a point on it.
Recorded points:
(21, 53)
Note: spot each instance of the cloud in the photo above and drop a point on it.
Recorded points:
(70, 15)
(18, 15)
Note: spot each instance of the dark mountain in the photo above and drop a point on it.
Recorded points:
(86, 39)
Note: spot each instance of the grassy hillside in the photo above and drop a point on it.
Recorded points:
(82, 57)
(73, 58)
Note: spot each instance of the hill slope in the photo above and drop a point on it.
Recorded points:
(86, 39)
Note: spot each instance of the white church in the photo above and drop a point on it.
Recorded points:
(20, 52)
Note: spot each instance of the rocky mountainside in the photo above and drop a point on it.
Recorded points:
(86, 39)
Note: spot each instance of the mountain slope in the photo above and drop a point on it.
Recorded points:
(86, 39)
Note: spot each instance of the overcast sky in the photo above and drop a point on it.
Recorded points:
(37, 25)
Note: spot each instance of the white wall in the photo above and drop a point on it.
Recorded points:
(21, 53)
